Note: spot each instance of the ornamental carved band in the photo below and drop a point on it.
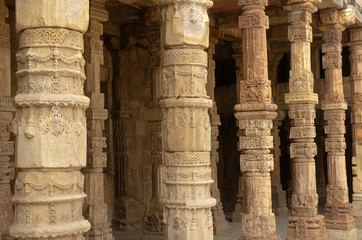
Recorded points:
(338, 210)
(50, 124)
(186, 129)
(255, 114)
(304, 222)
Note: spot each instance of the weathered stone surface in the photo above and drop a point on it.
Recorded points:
(356, 120)
(52, 13)
(186, 129)
(94, 209)
(6, 116)
(50, 124)
(338, 211)
(304, 222)
(255, 114)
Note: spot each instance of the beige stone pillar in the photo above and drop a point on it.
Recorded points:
(6, 116)
(305, 223)
(219, 222)
(153, 115)
(50, 121)
(279, 197)
(255, 114)
(240, 205)
(338, 211)
(356, 120)
(94, 208)
(186, 130)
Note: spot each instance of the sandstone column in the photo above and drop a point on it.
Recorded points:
(186, 131)
(50, 121)
(219, 222)
(338, 211)
(305, 223)
(154, 117)
(6, 116)
(279, 196)
(94, 209)
(255, 114)
(356, 120)
(240, 198)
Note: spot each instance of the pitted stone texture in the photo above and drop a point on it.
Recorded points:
(185, 23)
(52, 13)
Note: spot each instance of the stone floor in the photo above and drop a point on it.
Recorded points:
(234, 232)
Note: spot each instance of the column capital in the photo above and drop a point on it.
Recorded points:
(52, 13)
(153, 16)
(185, 23)
(299, 6)
(332, 19)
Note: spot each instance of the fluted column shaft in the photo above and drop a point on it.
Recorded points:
(186, 130)
(50, 120)
(255, 114)
(305, 223)
(356, 120)
(94, 209)
(6, 115)
(338, 210)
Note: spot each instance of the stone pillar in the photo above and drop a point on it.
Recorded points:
(279, 197)
(305, 223)
(50, 120)
(186, 130)
(356, 120)
(153, 115)
(94, 208)
(255, 114)
(240, 205)
(338, 214)
(6, 116)
(219, 222)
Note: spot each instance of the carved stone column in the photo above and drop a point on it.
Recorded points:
(305, 223)
(219, 222)
(6, 116)
(186, 130)
(338, 211)
(279, 197)
(240, 198)
(255, 114)
(356, 120)
(94, 209)
(153, 115)
(50, 121)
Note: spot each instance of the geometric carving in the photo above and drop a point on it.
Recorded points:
(334, 108)
(186, 128)
(255, 114)
(305, 222)
(50, 124)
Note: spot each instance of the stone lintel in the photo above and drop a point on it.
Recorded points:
(338, 4)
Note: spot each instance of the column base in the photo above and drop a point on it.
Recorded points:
(220, 225)
(274, 237)
(236, 216)
(357, 209)
(306, 228)
(99, 234)
(280, 203)
(336, 234)
(339, 216)
(152, 236)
